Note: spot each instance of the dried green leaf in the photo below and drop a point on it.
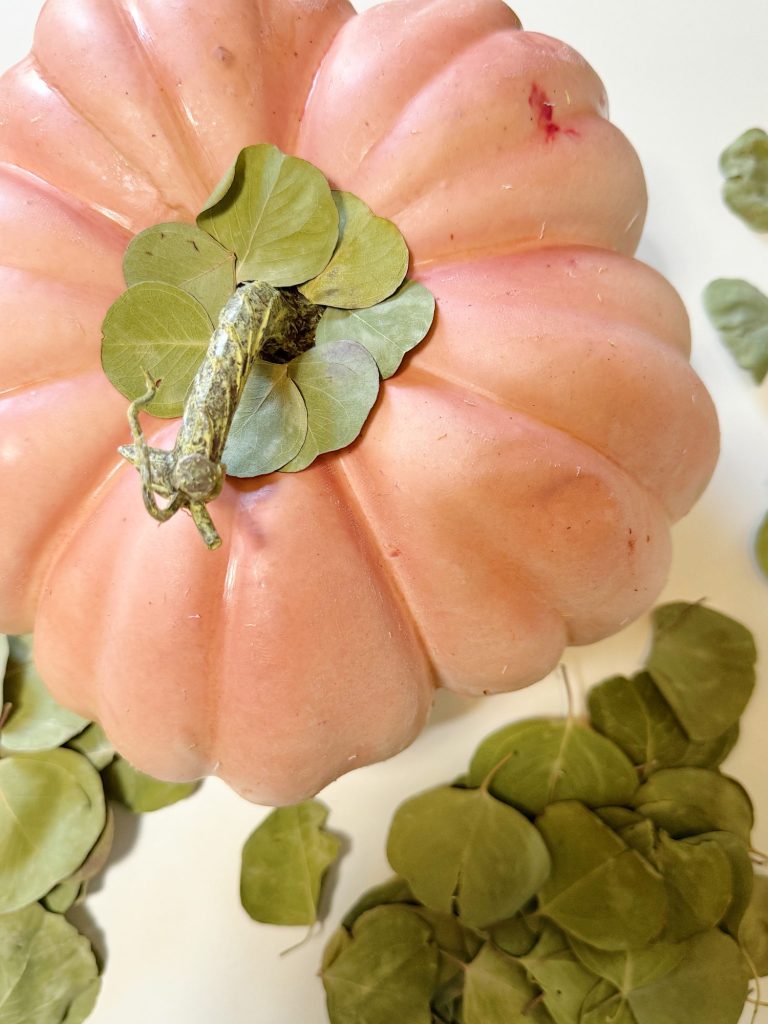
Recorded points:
(369, 263)
(618, 818)
(461, 849)
(141, 793)
(516, 935)
(709, 753)
(563, 979)
(543, 760)
(698, 881)
(388, 330)
(270, 424)
(742, 875)
(276, 213)
(685, 801)
(184, 256)
(739, 312)
(629, 969)
(497, 990)
(745, 167)
(161, 329)
(604, 1005)
(64, 896)
(339, 383)
(394, 890)
(386, 973)
(641, 836)
(48, 972)
(704, 664)
(52, 812)
(761, 546)
(284, 862)
(36, 721)
(93, 744)
(753, 931)
(597, 882)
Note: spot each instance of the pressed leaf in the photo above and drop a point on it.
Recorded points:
(160, 329)
(543, 760)
(597, 882)
(184, 256)
(370, 261)
(742, 875)
(739, 312)
(270, 424)
(698, 881)
(704, 664)
(284, 862)
(394, 890)
(386, 973)
(52, 812)
(761, 546)
(497, 990)
(745, 167)
(36, 721)
(684, 801)
(339, 383)
(563, 979)
(93, 744)
(141, 793)
(47, 969)
(461, 849)
(276, 213)
(753, 930)
(629, 969)
(388, 330)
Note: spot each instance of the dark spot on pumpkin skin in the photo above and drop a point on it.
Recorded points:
(224, 55)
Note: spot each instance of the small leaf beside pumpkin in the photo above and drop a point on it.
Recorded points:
(745, 167)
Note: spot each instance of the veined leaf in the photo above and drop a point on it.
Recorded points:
(745, 167)
(497, 990)
(141, 793)
(685, 801)
(739, 311)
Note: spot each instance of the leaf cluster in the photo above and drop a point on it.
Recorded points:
(58, 774)
(580, 872)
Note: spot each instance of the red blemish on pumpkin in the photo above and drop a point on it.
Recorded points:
(543, 109)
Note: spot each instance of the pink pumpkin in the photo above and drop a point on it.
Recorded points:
(513, 489)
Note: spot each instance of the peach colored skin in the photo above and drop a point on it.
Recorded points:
(512, 491)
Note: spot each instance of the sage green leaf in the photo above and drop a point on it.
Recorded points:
(52, 812)
(284, 862)
(515, 936)
(745, 167)
(533, 763)
(338, 941)
(394, 890)
(561, 976)
(629, 969)
(761, 545)
(451, 935)
(141, 793)
(99, 855)
(161, 329)
(698, 882)
(47, 969)
(497, 990)
(753, 931)
(618, 818)
(184, 256)
(36, 721)
(712, 977)
(641, 836)
(276, 213)
(462, 850)
(604, 1005)
(597, 882)
(742, 875)
(704, 664)
(739, 312)
(270, 424)
(339, 383)
(93, 744)
(370, 261)
(84, 1004)
(388, 330)
(709, 753)
(386, 973)
(684, 801)
(64, 896)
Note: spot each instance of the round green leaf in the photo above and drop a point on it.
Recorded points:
(369, 263)
(48, 973)
(276, 213)
(270, 424)
(709, 753)
(284, 862)
(745, 167)
(515, 936)
(562, 978)
(52, 812)
(141, 793)
(94, 744)
(698, 881)
(543, 760)
(739, 312)
(161, 329)
(462, 850)
(388, 330)
(753, 930)
(339, 383)
(395, 890)
(497, 990)
(184, 256)
(36, 721)
(629, 969)
(684, 801)
(742, 875)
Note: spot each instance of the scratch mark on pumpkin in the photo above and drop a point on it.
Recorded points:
(543, 109)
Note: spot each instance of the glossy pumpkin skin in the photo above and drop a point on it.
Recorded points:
(513, 490)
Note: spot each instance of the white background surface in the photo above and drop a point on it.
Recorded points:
(684, 78)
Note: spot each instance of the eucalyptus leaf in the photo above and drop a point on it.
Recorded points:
(684, 801)
(463, 850)
(64, 896)
(339, 383)
(284, 862)
(84, 1004)
(52, 812)
(276, 213)
(270, 424)
(516, 935)
(160, 329)
(699, 883)
(742, 875)
(597, 882)
(704, 664)
(761, 545)
(561, 976)
(739, 312)
(94, 744)
(745, 167)
(497, 990)
(629, 969)
(386, 973)
(370, 261)
(532, 763)
(387, 330)
(709, 753)
(753, 931)
(141, 793)
(48, 969)
(618, 818)
(641, 836)
(184, 256)
(604, 1005)
(36, 721)
(394, 890)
